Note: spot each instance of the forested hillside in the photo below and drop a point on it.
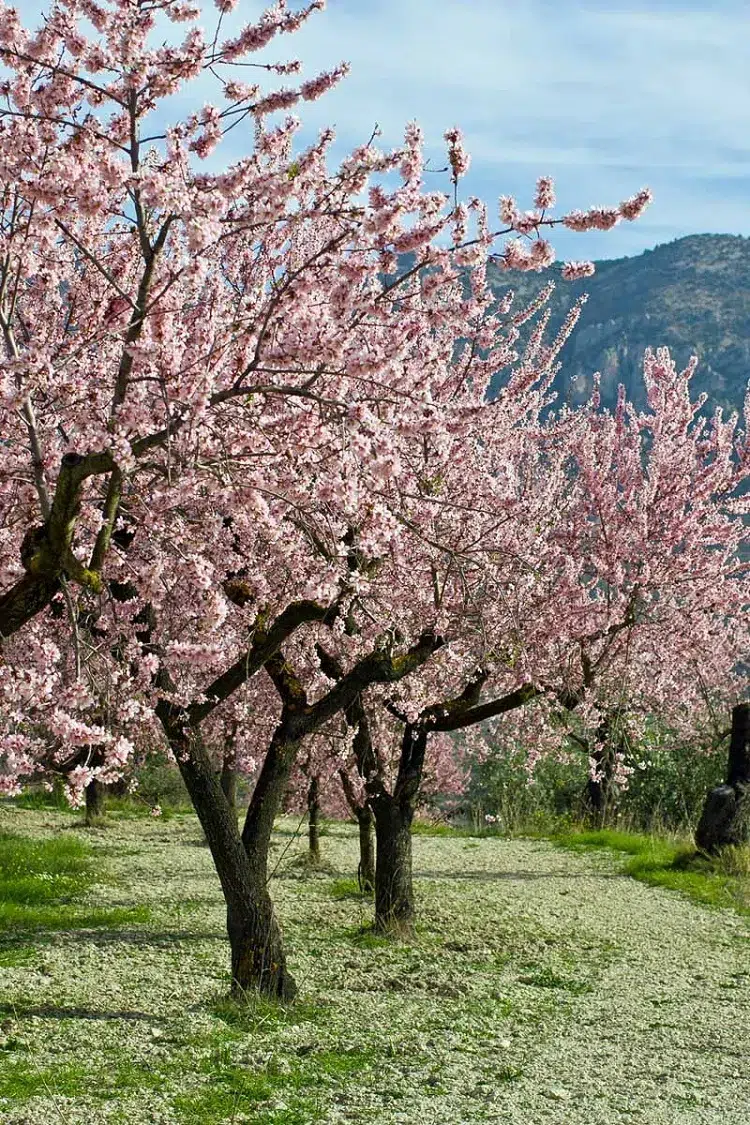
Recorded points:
(692, 295)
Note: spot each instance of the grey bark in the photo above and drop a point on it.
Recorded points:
(725, 820)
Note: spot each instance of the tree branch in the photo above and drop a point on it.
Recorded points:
(457, 715)
(266, 643)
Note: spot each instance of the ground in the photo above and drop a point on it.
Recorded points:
(544, 988)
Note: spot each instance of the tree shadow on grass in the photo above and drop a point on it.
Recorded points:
(163, 939)
(59, 1012)
(515, 876)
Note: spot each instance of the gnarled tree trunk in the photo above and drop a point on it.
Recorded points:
(257, 953)
(94, 802)
(313, 819)
(394, 889)
(241, 861)
(366, 869)
(725, 819)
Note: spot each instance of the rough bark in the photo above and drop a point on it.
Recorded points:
(600, 798)
(362, 813)
(394, 890)
(22, 602)
(228, 781)
(46, 551)
(313, 819)
(366, 869)
(725, 820)
(94, 802)
(267, 796)
(258, 960)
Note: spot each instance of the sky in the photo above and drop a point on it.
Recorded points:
(606, 97)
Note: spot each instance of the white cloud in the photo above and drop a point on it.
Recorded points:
(604, 96)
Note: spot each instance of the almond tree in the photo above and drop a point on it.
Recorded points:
(627, 595)
(208, 381)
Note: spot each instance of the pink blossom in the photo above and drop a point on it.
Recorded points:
(545, 193)
(634, 207)
(574, 271)
(458, 157)
(316, 87)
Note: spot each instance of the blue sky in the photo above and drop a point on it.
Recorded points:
(606, 97)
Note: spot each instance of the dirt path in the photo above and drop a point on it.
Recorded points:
(544, 989)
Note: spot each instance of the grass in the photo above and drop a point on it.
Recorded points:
(674, 864)
(116, 807)
(233, 1089)
(548, 978)
(256, 1014)
(342, 889)
(19, 1081)
(447, 1026)
(40, 881)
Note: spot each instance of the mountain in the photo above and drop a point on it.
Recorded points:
(691, 295)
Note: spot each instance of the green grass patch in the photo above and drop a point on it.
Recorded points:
(40, 881)
(133, 808)
(17, 956)
(37, 797)
(284, 1092)
(255, 1013)
(31, 919)
(39, 871)
(343, 889)
(367, 937)
(673, 864)
(427, 828)
(19, 1080)
(548, 978)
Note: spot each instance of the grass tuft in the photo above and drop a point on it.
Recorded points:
(547, 978)
(283, 1092)
(722, 881)
(254, 1013)
(40, 881)
(343, 889)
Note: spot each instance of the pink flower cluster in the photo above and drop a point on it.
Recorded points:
(458, 157)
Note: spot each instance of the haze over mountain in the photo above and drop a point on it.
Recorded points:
(691, 295)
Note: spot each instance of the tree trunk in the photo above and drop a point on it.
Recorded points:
(394, 891)
(363, 813)
(267, 797)
(229, 782)
(313, 815)
(94, 802)
(366, 870)
(725, 819)
(258, 960)
(601, 792)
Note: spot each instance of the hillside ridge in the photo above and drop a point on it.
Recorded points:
(691, 295)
